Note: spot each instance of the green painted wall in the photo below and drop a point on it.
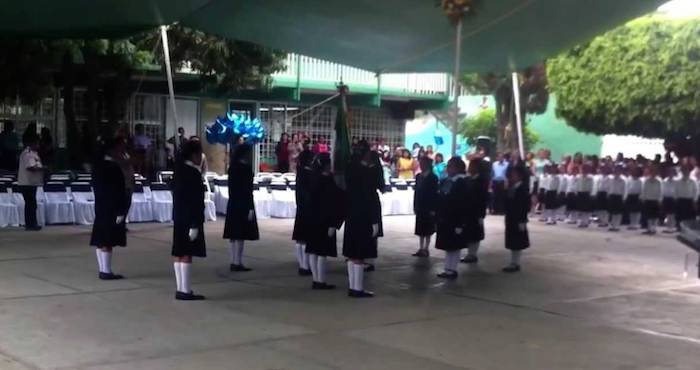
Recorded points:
(555, 134)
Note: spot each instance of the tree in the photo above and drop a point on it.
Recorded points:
(484, 124)
(642, 78)
(534, 97)
(224, 66)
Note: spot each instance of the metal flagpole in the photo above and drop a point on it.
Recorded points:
(456, 84)
(518, 116)
(169, 73)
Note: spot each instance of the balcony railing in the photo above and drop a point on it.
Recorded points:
(309, 69)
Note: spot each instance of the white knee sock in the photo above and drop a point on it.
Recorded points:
(107, 262)
(473, 249)
(321, 268)
(421, 242)
(358, 276)
(302, 258)
(671, 222)
(351, 275)
(100, 265)
(239, 251)
(515, 258)
(615, 221)
(313, 264)
(603, 218)
(426, 244)
(233, 246)
(652, 223)
(584, 218)
(178, 275)
(185, 269)
(451, 260)
(635, 217)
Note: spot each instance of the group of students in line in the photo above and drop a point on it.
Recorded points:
(649, 196)
(455, 207)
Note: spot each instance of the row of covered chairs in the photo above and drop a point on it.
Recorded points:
(58, 203)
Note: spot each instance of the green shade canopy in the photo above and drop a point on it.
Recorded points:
(378, 35)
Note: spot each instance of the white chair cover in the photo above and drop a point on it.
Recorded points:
(263, 203)
(83, 207)
(9, 212)
(402, 199)
(162, 202)
(59, 208)
(386, 200)
(284, 203)
(209, 204)
(141, 209)
(221, 199)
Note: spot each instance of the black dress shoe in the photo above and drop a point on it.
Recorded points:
(369, 267)
(511, 268)
(304, 272)
(110, 276)
(239, 268)
(359, 294)
(421, 253)
(32, 228)
(448, 275)
(470, 259)
(322, 286)
(181, 296)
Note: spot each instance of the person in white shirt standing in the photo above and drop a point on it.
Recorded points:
(571, 189)
(651, 200)
(30, 175)
(633, 206)
(551, 197)
(561, 197)
(602, 188)
(686, 194)
(668, 203)
(583, 196)
(616, 195)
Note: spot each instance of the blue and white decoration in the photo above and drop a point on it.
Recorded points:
(226, 129)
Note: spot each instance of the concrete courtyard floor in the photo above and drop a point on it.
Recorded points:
(586, 299)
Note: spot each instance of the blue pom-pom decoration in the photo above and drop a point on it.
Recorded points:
(225, 129)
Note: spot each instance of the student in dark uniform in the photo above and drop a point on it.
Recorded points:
(517, 207)
(362, 222)
(424, 205)
(477, 203)
(452, 214)
(302, 219)
(188, 217)
(326, 216)
(375, 166)
(109, 228)
(241, 223)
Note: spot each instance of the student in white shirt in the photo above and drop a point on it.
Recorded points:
(633, 205)
(571, 189)
(601, 190)
(668, 202)
(616, 196)
(651, 197)
(686, 192)
(583, 196)
(561, 197)
(551, 200)
(543, 186)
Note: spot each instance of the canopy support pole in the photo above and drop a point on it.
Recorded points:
(169, 74)
(518, 116)
(456, 84)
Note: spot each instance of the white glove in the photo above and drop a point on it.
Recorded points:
(193, 234)
(331, 232)
(375, 230)
(120, 219)
(522, 226)
(251, 213)
(458, 230)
